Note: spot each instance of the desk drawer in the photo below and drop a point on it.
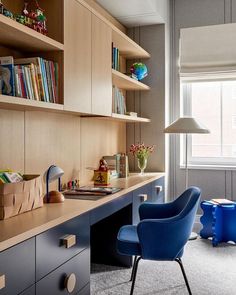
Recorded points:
(17, 268)
(51, 247)
(108, 209)
(29, 291)
(140, 195)
(55, 283)
(158, 190)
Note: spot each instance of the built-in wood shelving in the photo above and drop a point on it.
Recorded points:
(126, 118)
(127, 47)
(124, 82)
(20, 41)
(16, 35)
(23, 104)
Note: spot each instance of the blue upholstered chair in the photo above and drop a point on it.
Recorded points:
(162, 233)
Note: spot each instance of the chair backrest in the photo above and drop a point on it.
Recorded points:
(164, 239)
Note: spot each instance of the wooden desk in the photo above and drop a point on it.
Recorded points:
(43, 229)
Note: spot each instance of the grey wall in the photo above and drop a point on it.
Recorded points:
(190, 13)
(150, 104)
(154, 103)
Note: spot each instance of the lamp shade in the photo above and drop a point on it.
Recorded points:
(54, 172)
(186, 125)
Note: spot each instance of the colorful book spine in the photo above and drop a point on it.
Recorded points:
(7, 76)
(118, 102)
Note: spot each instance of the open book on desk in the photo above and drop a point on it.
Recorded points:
(90, 193)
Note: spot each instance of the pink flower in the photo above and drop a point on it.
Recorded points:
(141, 150)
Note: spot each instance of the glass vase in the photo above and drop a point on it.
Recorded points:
(142, 164)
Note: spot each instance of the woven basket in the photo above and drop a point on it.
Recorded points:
(17, 198)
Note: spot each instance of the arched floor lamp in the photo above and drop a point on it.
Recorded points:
(187, 125)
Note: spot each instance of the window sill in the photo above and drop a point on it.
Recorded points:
(208, 167)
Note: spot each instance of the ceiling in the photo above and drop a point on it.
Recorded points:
(132, 13)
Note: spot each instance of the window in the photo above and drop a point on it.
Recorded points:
(214, 104)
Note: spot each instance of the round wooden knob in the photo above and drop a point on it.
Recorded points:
(70, 283)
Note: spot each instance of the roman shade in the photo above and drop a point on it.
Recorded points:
(208, 50)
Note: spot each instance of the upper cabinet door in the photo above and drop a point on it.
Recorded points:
(77, 58)
(101, 68)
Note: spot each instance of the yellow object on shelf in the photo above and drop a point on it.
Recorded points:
(101, 177)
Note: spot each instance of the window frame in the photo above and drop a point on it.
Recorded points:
(186, 109)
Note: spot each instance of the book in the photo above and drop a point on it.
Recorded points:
(223, 201)
(21, 62)
(38, 79)
(7, 75)
(13, 177)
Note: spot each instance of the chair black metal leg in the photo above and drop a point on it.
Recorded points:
(184, 274)
(134, 275)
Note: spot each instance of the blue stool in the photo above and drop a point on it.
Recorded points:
(219, 222)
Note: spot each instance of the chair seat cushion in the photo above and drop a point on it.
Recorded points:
(128, 241)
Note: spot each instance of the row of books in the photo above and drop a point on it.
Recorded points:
(118, 101)
(32, 78)
(115, 58)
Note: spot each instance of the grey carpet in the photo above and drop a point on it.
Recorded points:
(209, 270)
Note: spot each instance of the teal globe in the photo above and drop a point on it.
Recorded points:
(139, 70)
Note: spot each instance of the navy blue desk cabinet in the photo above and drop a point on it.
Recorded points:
(17, 264)
(152, 192)
(41, 264)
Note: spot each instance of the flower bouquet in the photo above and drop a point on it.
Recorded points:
(141, 152)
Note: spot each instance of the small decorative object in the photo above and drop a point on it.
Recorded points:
(124, 166)
(35, 19)
(1, 7)
(102, 175)
(139, 70)
(54, 173)
(5, 12)
(142, 152)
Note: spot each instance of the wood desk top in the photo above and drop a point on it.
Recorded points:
(27, 225)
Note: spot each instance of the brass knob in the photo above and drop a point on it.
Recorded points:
(70, 283)
(158, 189)
(69, 241)
(2, 282)
(143, 197)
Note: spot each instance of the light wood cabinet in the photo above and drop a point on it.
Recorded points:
(77, 57)
(101, 67)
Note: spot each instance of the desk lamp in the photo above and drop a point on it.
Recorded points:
(187, 125)
(54, 173)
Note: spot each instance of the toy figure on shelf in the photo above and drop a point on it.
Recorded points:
(36, 20)
(103, 165)
(1, 7)
(102, 174)
(5, 12)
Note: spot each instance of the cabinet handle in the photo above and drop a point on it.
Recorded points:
(69, 241)
(143, 197)
(158, 188)
(70, 283)
(2, 282)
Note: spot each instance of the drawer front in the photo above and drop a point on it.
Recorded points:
(17, 268)
(29, 291)
(85, 290)
(140, 195)
(158, 190)
(59, 280)
(110, 208)
(59, 244)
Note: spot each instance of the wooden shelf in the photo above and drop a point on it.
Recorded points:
(123, 81)
(127, 118)
(16, 35)
(127, 47)
(22, 104)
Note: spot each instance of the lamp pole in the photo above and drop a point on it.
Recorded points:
(186, 160)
